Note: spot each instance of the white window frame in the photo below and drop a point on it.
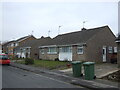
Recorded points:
(24, 50)
(42, 51)
(16, 44)
(80, 47)
(65, 49)
(52, 52)
(110, 49)
(28, 50)
(115, 50)
(12, 44)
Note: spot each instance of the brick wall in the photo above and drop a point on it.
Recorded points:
(118, 55)
(78, 57)
(47, 56)
(95, 45)
(30, 38)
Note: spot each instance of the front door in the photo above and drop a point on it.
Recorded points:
(104, 54)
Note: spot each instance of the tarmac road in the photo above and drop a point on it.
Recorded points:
(17, 78)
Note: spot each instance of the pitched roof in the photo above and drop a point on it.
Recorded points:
(6, 43)
(43, 41)
(36, 42)
(118, 39)
(20, 39)
(76, 37)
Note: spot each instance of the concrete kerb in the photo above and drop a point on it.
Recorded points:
(75, 81)
(99, 77)
(92, 85)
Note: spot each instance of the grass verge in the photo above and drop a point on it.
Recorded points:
(49, 64)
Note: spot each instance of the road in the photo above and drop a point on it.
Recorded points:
(17, 78)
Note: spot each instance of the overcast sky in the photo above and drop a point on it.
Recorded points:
(19, 19)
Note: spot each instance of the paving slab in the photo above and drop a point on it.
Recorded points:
(101, 70)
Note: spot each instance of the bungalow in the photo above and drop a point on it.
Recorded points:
(30, 48)
(96, 44)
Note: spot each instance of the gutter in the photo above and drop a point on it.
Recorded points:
(82, 44)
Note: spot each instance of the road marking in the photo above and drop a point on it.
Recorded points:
(50, 78)
(45, 77)
(55, 80)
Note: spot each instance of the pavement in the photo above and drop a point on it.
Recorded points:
(101, 70)
(66, 75)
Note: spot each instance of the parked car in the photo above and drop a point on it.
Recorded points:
(4, 59)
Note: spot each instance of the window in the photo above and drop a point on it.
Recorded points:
(115, 49)
(12, 44)
(23, 50)
(10, 51)
(103, 51)
(80, 49)
(28, 50)
(65, 49)
(110, 50)
(52, 50)
(42, 51)
(16, 44)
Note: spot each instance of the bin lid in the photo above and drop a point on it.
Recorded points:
(76, 62)
(88, 63)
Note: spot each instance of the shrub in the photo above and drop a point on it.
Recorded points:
(29, 61)
(56, 59)
(66, 60)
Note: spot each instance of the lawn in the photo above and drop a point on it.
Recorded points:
(49, 64)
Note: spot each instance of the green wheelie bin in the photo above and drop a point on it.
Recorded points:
(76, 68)
(89, 70)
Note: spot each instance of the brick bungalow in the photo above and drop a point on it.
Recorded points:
(30, 48)
(96, 44)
